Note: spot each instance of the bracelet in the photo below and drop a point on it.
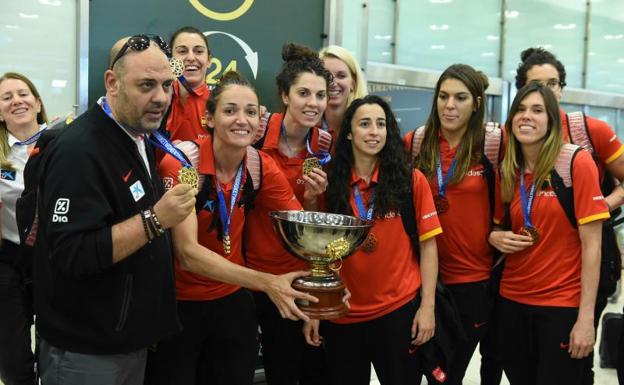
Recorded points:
(144, 214)
(156, 222)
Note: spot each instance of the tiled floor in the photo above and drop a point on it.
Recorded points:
(602, 376)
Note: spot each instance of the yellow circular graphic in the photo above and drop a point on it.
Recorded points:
(222, 16)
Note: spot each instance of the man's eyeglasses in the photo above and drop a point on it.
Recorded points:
(141, 43)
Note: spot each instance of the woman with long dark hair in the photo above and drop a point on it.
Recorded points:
(552, 209)
(450, 151)
(370, 177)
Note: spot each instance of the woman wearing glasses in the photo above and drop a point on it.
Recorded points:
(371, 178)
(22, 115)
(549, 282)
(347, 84)
(187, 116)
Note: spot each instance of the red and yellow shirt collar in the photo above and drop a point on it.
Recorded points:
(271, 141)
(361, 183)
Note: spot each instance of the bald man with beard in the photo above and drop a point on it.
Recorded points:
(103, 278)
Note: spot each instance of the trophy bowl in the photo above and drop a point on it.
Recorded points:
(323, 240)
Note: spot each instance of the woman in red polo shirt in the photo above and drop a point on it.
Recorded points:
(550, 278)
(291, 139)
(452, 158)
(219, 339)
(187, 116)
(370, 177)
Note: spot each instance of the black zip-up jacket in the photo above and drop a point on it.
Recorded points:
(84, 303)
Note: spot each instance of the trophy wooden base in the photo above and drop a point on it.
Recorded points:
(330, 304)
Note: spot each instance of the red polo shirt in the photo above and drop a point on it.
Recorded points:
(188, 121)
(388, 277)
(264, 249)
(549, 272)
(275, 194)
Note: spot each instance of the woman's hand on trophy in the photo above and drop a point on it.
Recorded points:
(346, 297)
(282, 294)
(423, 326)
(311, 332)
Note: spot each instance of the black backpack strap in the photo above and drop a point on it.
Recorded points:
(561, 180)
(408, 217)
(490, 180)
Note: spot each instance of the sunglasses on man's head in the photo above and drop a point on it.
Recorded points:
(141, 43)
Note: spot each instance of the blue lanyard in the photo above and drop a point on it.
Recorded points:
(527, 204)
(224, 214)
(443, 182)
(35, 137)
(323, 157)
(164, 144)
(360, 204)
(186, 85)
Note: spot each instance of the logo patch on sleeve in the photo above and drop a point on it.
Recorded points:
(167, 183)
(61, 208)
(8, 174)
(137, 190)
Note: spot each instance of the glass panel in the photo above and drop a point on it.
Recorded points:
(434, 34)
(411, 106)
(380, 30)
(38, 39)
(556, 25)
(606, 47)
(352, 19)
(609, 115)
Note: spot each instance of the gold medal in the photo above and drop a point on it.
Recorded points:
(309, 164)
(177, 67)
(531, 232)
(226, 244)
(370, 243)
(189, 175)
(441, 204)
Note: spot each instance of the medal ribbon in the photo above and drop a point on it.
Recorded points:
(186, 85)
(162, 142)
(323, 157)
(527, 202)
(443, 182)
(362, 212)
(224, 214)
(35, 137)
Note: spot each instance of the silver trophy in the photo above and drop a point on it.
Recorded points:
(323, 240)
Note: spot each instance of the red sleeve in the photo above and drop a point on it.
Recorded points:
(426, 214)
(589, 204)
(606, 143)
(168, 169)
(275, 192)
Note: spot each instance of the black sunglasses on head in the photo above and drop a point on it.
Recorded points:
(141, 43)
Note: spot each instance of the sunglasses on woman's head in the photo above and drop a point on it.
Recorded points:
(141, 43)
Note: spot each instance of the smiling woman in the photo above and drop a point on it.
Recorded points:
(21, 114)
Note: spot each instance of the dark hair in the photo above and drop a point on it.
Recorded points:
(228, 79)
(189, 29)
(297, 59)
(394, 171)
(471, 147)
(534, 57)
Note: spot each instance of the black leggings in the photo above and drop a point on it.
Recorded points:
(533, 342)
(218, 344)
(287, 358)
(384, 342)
(474, 303)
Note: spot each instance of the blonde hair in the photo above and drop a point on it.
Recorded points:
(344, 55)
(550, 148)
(5, 149)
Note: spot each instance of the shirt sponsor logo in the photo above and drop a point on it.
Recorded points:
(137, 190)
(168, 182)
(61, 208)
(474, 173)
(8, 174)
(598, 198)
(614, 137)
(550, 194)
(429, 215)
(209, 205)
